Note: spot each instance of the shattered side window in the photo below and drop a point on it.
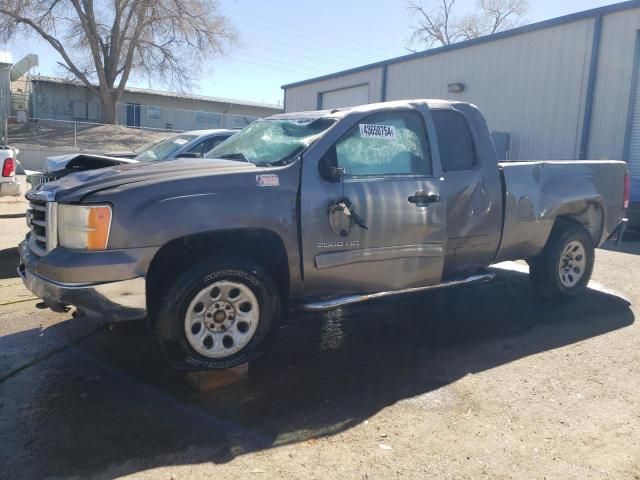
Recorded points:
(391, 143)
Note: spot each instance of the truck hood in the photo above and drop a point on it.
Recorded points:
(82, 161)
(73, 187)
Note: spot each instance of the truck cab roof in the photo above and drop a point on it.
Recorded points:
(368, 108)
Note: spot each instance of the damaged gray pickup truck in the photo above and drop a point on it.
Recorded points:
(312, 211)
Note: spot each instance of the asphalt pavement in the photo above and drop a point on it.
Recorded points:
(479, 381)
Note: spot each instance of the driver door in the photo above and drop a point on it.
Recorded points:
(386, 175)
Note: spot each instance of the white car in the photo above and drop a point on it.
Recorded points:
(9, 184)
(187, 144)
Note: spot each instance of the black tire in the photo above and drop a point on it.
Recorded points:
(544, 269)
(169, 316)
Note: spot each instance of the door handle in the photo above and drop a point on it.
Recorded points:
(423, 199)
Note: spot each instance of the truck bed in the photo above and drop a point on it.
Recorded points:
(536, 192)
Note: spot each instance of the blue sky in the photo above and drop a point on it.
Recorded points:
(283, 41)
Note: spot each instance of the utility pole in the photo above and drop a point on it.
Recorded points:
(4, 136)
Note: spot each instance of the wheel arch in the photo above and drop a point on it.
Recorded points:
(263, 246)
(590, 214)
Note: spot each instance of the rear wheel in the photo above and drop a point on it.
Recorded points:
(217, 315)
(564, 267)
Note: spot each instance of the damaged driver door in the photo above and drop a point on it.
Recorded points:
(372, 211)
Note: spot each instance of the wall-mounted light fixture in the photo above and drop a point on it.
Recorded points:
(456, 87)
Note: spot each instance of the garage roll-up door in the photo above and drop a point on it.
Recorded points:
(345, 97)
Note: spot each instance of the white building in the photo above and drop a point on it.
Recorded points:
(59, 99)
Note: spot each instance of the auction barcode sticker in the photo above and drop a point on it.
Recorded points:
(377, 131)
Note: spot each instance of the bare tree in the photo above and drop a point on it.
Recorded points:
(438, 24)
(103, 42)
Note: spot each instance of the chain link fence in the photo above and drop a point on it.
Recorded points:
(38, 138)
(139, 125)
(42, 124)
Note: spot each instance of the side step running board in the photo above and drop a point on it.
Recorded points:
(331, 303)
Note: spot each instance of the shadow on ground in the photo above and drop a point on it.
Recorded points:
(110, 405)
(12, 215)
(630, 243)
(9, 259)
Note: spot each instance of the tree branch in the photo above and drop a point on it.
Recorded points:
(443, 26)
(55, 44)
(103, 48)
(133, 43)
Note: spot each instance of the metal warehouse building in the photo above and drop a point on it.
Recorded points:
(565, 88)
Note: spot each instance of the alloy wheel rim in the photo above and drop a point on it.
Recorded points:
(573, 264)
(222, 319)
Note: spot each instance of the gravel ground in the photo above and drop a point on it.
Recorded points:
(483, 381)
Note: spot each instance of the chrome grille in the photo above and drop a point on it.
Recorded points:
(37, 179)
(37, 223)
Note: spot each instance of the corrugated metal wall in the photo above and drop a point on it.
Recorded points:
(533, 85)
(519, 83)
(305, 97)
(613, 84)
(634, 140)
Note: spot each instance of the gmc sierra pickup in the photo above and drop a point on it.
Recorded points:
(314, 211)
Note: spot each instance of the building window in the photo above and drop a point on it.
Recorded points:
(210, 119)
(94, 111)
(154, 113)
(79, 109)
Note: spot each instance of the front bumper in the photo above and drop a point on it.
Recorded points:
(110, 301)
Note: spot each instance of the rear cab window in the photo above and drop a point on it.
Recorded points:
(457, 150)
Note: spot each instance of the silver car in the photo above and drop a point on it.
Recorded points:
(194, 143)
(191, 144)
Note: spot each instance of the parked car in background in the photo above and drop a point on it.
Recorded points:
(192, 144)
(315, 211)
(9, 184)
(132, 153)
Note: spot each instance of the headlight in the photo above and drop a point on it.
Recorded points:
(84, 227)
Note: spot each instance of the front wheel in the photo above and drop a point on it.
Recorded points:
(564, 267)
(217, 315)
